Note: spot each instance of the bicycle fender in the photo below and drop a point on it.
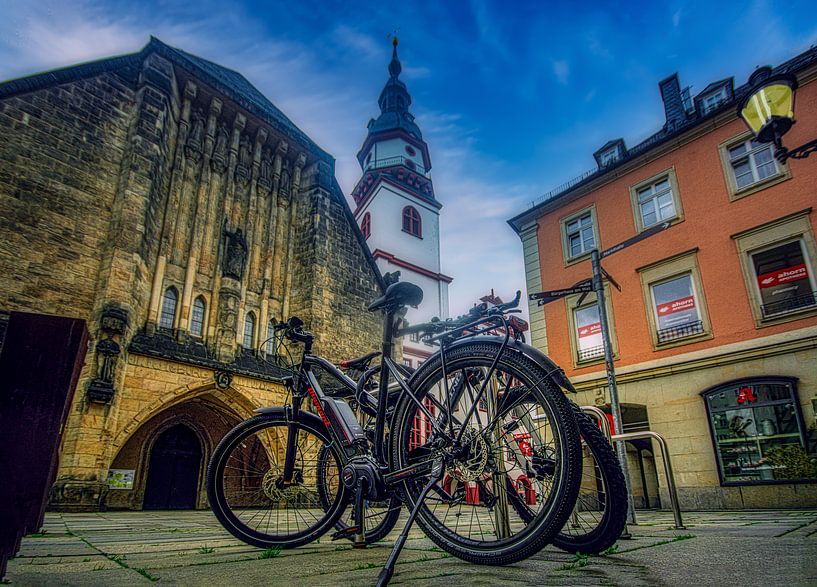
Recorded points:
(557, 375)
(285, 412)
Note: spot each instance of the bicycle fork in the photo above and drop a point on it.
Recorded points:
(388, 570)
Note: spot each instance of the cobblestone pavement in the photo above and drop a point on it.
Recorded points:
(190, 548)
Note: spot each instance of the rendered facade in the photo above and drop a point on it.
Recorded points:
(715, 326)
(166, 201)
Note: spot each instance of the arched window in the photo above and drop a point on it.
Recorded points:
(169, 301)
(412, 223)
(249, 330)
(197, 318)
(270, 334)
(366, 225)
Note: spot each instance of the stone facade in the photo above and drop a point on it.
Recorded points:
(125, 179)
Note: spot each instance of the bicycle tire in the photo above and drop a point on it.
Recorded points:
(248, 468)
(594, 534)
(565, 460)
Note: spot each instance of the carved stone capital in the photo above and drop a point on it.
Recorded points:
(190, 91)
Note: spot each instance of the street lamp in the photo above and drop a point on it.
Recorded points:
(768, 110)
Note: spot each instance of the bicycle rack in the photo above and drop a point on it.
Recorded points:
(662, 444)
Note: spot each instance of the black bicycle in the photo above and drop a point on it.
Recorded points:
(286, 476)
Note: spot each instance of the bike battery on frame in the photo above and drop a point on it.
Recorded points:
(342, 414)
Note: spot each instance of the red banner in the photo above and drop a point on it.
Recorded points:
(590, 330)
(682, 305)
(781, 276)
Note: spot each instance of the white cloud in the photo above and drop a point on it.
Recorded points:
(676, 18)
(561, 69)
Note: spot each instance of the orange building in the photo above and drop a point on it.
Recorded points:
(714, 330)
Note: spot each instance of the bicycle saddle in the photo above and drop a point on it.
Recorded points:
(398, 294)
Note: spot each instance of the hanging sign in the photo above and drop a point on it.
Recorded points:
(545, 297)
(637, 238)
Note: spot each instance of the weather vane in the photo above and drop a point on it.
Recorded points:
(392, 36)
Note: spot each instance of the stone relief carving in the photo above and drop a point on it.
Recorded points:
(219, 161)
(235, 254)
(265, 172)
(283, 190)
(112, 325)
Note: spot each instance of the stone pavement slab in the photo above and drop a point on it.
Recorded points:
(190, 548)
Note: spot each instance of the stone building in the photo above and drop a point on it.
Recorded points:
(166, 201)
(714, 329)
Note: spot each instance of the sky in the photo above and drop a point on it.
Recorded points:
(512, 97)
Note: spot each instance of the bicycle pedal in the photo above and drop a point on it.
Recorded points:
(346, 533)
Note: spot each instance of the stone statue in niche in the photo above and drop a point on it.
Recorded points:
(235, 254)
(194, 139)
(219, 161)
(242, 170)
(112, 325)
(283, 191)
(265, 172)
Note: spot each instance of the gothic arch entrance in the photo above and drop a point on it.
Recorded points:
(173, 470)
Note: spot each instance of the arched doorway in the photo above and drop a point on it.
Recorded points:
(173, 472)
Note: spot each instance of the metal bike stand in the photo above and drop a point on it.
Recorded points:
(662, 444)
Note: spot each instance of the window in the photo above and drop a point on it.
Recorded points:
(270, 346)
(673, 296)
(168, 315)
(656, 200)
(588, 333)
(676, 312)
(410, 151)
(579, 234)
(778, 265)
(197, 317)
(366, 225)
(249, 330)
(713, 100)
(421, 427)
(414, 337)
(609, 156)
(750, 166)
(412, 223)
(783, 279)
(407, 362)
(757, 431)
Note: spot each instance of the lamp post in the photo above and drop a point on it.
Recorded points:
(768, 110)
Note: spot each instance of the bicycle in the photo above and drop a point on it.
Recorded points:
(266, 478)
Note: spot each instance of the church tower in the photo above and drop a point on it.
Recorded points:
(395, 204)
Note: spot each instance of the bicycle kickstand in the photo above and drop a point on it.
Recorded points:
(388, 569)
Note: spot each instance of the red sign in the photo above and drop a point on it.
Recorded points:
(590, 330)
(524, 445)
(781, 276)
(746, 395)
(682, 305)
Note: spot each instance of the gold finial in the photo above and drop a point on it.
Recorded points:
(394, 40)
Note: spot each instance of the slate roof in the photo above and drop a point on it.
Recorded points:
(664, 135)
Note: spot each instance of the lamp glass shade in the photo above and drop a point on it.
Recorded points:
(775, 100)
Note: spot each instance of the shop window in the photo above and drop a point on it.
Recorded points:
(249, 330)
(758, 432)
(197, 318)
(750, 166)
(168, 315)
(673, 296)
(778, 264)
(579, 235)
(584, 324)
(412, 223)
(656, 200)
(785, 283)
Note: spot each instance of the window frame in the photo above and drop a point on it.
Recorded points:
(685, 263)
(170, 289)
(571, 305)
(796, 226)
(720, 93)
(199, 298)
(609, 156)
(269, 343)
(791, 382)
(735, 192)
(366, 225)
(564, 221)
(415, 222)
(668, 174)
(249, 319)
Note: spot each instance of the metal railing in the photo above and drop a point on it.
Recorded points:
(789, 305)
(681, 331)
(591, 353)
(392, 161)
(662, 445)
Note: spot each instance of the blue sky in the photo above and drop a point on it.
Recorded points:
(513, 98)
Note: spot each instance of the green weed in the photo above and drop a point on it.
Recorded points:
(270, 552)
(206, 550)
(146, 575)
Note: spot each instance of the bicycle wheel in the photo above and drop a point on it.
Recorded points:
(379, 517)
(524, 428)
(244, 489)
(601, 508)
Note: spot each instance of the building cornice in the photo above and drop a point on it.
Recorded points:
(382, 176)
(380, 254)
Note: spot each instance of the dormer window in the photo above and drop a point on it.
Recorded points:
(714, 99)
(609, 153)
(608, 157)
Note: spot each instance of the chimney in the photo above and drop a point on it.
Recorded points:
(673, 103)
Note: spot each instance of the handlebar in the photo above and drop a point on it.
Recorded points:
(294, 330)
